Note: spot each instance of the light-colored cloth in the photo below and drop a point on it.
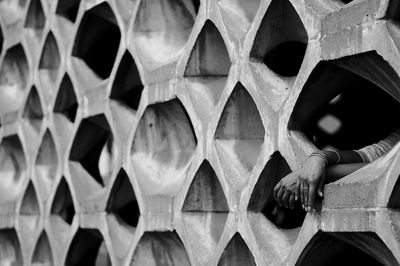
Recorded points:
(372, 152)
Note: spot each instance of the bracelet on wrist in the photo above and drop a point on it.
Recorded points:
(320, 155)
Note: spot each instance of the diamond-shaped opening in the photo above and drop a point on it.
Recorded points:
(160, 248)
(93, 148)
(205, 193)
(49, 60)
(164, 144)
(348, 248)
(328, 118)
(33, 111)
(236, 253)
(88, 248)
(30, 204)
(281, 40)
(122, 201)
(12, 11)
(66, 103)
(68, 9)
(35, 19)
(14, 74)
(238, 15)
(98, 39)
(1, 40)
(161, 30)
(262, 199)
(209, 56)
(63, 204)
(346, 1)
(394, 200)
(46, 163)
(240, 132)
(42, 254)
(205, 209)
(10, 247)
(13, 168)
(127, 87)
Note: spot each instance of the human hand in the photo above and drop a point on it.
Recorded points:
(286, 191)
(311, 180)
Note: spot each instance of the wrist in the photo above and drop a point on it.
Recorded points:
(329, 157)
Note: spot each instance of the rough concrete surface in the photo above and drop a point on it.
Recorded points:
(152, 132)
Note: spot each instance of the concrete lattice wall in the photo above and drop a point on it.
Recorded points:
(152, 132)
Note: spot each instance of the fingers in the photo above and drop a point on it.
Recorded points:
(292, 200)
(306, 191)
(321, 187)
(276, 189)
(311, 196)
(296, 192)
(285, 198)
(279, 195)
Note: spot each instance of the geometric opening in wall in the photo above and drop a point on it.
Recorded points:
(10, 247)
(161, 30)
(325, 110)
(30, 204)
(63, 204)
(33, 111)
(14, 74)
(46, 163)
(49, 60)
(240, 132)
(66, 102)
(93, 148)
(209, 56)
(122, 201)
(262, 198)
(236, 253)
(205, 193)
(42, 255)
(281, 40)
(98, 39)
(35, 19)
(348, 248)
(164, 143)
(87, 248)
(13, 168)
(160, 248)
(68, 9)
(127, 87)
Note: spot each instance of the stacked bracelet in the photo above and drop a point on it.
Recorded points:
(325, 156)
(321, 155)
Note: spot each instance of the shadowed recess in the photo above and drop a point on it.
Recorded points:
(46, 163)
(209, 56)
(281, 40)
(205, 192)
(98, 39)
(236, 253)
(394, 200)
(127, 87)
(13, 168)
(66, 103)
(35, 18)
(93, 148)
(12, 11)
(160, 248)
(33, 111)
(42, 255)
(30, 204)
(49, 60)
(262, 199)
(240, 132)
(14, 74)
(349, 248)
(87, 248)
(163, 145)
(122, 201)
(10, 249)
(161, 30)
(238, 15)
(1, 40)
(63, 204)
(68, 9)
(334, 88)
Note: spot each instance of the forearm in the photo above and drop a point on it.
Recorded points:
(336, 172)
(340, 157)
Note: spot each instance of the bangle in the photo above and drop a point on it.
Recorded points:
(320, 155)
